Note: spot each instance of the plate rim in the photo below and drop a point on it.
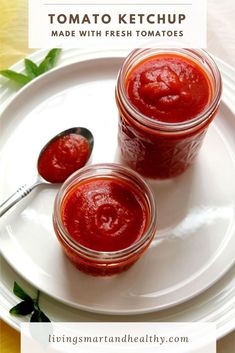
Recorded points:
(15, 322)
(14, 94)
(37, 86)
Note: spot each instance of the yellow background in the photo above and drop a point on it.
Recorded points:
(13, 47)
(13, 32)
(10, 339)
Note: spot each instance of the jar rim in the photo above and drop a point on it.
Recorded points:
(129, 175)
(198, 55)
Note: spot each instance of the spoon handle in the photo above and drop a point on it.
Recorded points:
(23, 191)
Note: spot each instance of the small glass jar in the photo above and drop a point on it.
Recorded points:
(104, 263)
(154, 148)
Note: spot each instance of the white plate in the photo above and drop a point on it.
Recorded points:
(195, 242)
(217, 305)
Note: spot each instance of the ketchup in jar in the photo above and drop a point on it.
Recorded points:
(166, 100)
(104, 218)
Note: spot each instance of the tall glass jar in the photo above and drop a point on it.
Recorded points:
(103, 263)
(158, 149)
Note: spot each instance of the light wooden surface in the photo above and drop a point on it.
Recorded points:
(13, 39)
(9, 339)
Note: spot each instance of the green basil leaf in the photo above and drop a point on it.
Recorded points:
(20, 293)
(39, 316)
(50, 61)
(31, 68)
(15, 76)
(23, 308)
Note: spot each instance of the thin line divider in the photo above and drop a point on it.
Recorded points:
(105, 4)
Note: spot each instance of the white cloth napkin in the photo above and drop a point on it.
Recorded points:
(221, 29)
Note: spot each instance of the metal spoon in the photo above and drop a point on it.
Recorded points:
(25, 189)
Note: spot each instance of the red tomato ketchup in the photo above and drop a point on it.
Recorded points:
(169, 88)
(63, 156)
(104, 218)
(166, 100)
(105, 214)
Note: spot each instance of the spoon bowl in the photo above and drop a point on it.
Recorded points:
(82, 131)
(64, 146)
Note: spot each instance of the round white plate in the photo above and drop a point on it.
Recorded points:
(195, 241)
(217, 304)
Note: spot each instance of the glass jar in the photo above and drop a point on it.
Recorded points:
(104, 263)
(157, 149)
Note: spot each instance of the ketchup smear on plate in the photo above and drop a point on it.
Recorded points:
(63, 156)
